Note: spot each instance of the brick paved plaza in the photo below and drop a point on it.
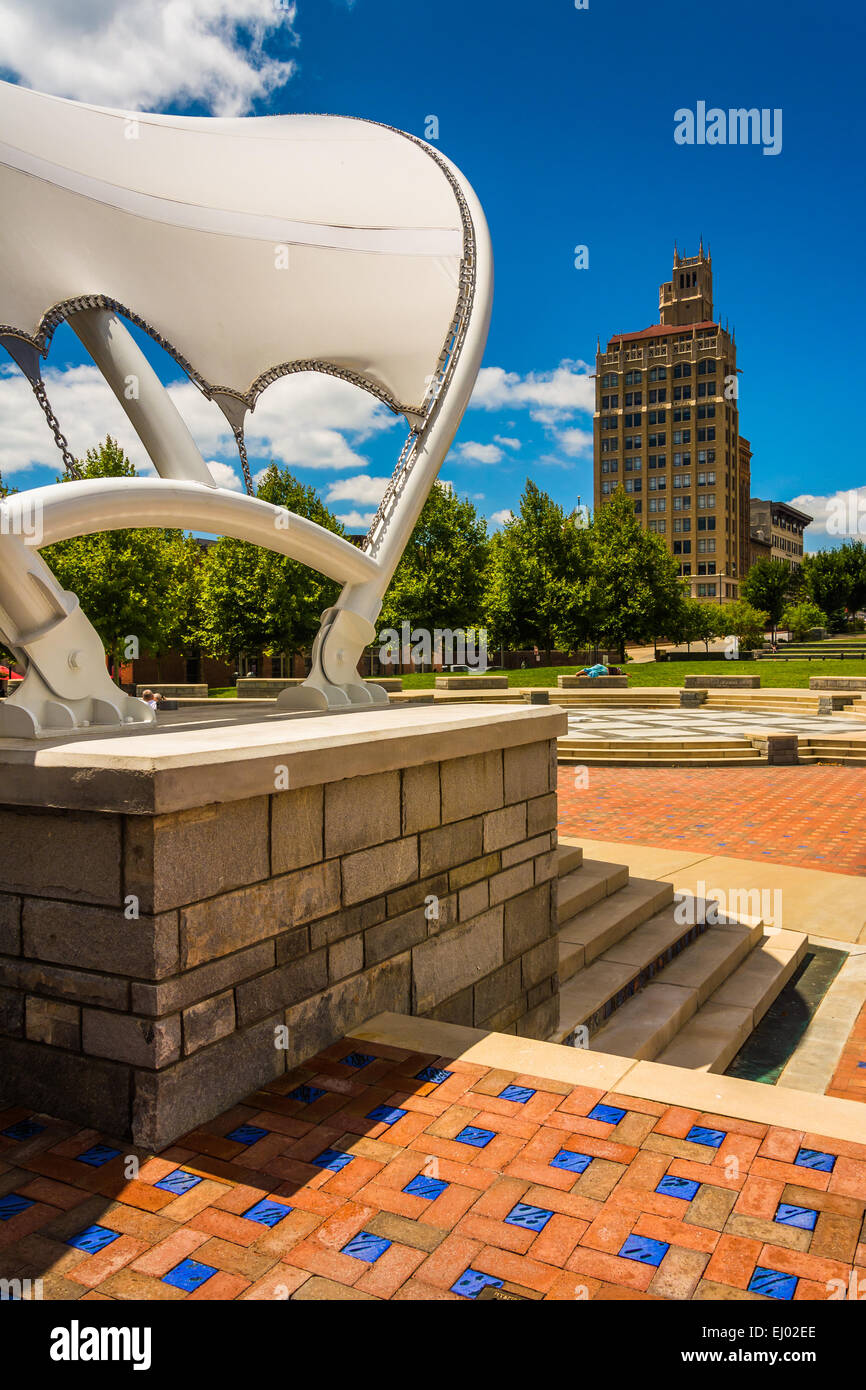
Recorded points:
(377, 1172)
(812, 817)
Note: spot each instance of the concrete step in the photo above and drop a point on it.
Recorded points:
(653, 951)
(673, 760)
(644, 1025)
(594, 880)
(711, 1039)
(590, 933)
(568, 858)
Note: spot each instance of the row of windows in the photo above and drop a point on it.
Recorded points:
(680, 460)
(681, 369)
(704, 547)
(704, 412)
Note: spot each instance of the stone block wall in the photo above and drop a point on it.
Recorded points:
(155, 968)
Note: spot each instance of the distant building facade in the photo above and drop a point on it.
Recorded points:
(666, 427)
(781, 527)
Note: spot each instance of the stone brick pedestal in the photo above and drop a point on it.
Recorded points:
(187, 911)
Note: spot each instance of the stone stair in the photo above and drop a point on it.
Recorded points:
(849, 752)
(650, 979)
(672, 752)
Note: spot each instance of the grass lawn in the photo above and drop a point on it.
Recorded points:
(775, 675)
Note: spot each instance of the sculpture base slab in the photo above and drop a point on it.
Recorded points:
(191, 909)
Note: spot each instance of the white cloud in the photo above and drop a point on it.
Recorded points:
(361, 488)
(841, 514)
(356, 521)
(304, 421)
(479, 453)
(146, 54)
(575, 442)
(549, 396)
(225, 476)
(500, 518)
(506, 441)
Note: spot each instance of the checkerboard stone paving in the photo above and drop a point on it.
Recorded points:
(629, 725)
(372, 1172)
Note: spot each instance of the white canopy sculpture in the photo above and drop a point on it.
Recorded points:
(249, 249)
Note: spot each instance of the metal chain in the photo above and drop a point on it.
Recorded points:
(238, 431)
(59, 437)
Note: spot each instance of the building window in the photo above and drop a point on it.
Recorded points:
(707, 501)
(610, 465)
(610, 379)
(657, 373)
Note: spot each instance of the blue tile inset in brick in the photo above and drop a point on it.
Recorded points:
(247, 1134)
(306, 1094)
(519, 1093)
(814, 1158)
(267, 1212)
(713, 1138)
(678, 1187)
(365, 1246)
(789, 1215)
(357, 1060)
(24, 1129)
(333, 1159)
(478, 1138)
(189, 1275)
(773, 1283)
(472, 1281)
(435, 1075)
(386, 1114)
(572, 1162)
(178, 1182)
(644, 1249)
(13, 1205)
(608, 1114)
(429, 1188)
(529, 1217)
(92, 1240)
(97, 1155)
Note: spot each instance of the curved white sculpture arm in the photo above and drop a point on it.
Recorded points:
(118, 504)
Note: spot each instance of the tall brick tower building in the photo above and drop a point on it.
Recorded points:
(666, 427)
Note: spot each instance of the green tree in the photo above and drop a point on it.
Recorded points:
(439, 582)
(800, 618)
(828, 583)
(854, 560)
(745, 622)
(539, 565)
(253, 599)
(635, 590)
(700, 622)
(767, 586)
(125, 580)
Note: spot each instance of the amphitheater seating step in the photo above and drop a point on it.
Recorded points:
(586, 885)
(591, 932)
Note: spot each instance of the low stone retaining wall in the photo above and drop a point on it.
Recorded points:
(781, 750)
(471, 683)
(592, 682)
(722, 682)
(837, 682)
(194, 692)
(269, 687)
(178, 929)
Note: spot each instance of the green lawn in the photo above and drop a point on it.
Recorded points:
(774, 674)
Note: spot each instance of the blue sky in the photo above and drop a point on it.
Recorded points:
(563, 120)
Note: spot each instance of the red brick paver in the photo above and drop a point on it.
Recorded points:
(812, 817)
(603, 1233)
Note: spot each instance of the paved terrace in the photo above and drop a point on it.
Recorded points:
(418, 1160)
(812, 817)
